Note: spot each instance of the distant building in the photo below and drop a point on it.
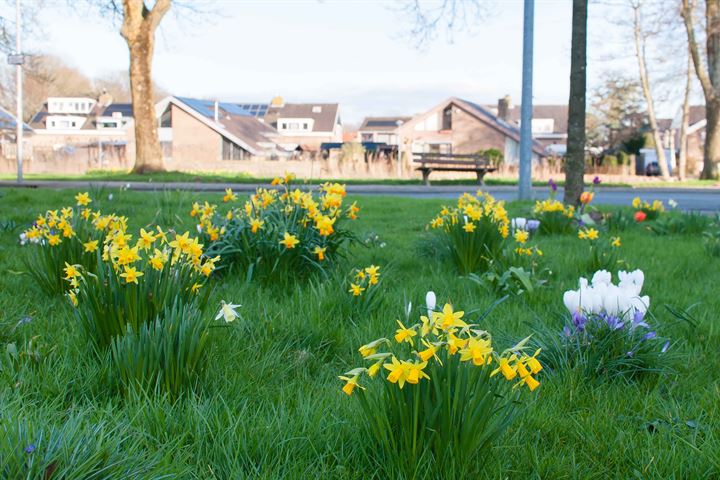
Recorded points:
(381, 129)
(460, 126)
(300, 126)
(197, 133)
(80, 133)
(549, 122)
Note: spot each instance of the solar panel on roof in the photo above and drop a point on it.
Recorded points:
(382, 123)
(254, 109)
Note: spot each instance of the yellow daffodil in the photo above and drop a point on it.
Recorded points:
(320, 252)
(146, 239)
(83, 199)
(71, 271)
(478, 350)
(91, 246)
(403, 334)
(505, 368)
(289, 241)
(131, 274)
(615, 242)
(229, 196)
(469, 227)
(127, 255)
(521, 236)
(448, 319)
(356, 289)
(157, 261)
(196, 287)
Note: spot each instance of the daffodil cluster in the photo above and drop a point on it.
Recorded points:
(473, 231)
(555, 217)
(437, 337)
(363, 280)
(135, 279)
(281, 229)
(603, 250)
(651, 211)
(69, 235)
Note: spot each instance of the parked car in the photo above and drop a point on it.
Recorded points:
(652, 169)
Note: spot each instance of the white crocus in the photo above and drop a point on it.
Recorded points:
(601, 277)
(430, 302)
(632, 280)
(519, 223)
(227, 311)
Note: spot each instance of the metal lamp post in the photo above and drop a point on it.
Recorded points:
(525, 181)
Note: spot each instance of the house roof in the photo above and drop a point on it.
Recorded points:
(126, 109)
(485, 115)
(234, 122)
(382, 124)
(7, 122)
(696, 114)
(558, 113)
(325, 115)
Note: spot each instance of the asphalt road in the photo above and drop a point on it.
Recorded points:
(695, 199)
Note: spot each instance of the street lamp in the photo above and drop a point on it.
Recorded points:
(399, 152)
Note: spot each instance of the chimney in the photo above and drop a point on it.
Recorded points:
(105, 99)
(217, 112)
(504, 106)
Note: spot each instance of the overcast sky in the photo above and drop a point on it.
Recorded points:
(355, 52)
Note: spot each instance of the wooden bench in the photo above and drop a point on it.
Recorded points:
(449, 162)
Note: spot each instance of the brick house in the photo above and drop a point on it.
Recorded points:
(300, 126)
(380, 129)
(200, 134)
(461, 126)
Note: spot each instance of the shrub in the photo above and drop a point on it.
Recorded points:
(474, 232)
(681, 224)
(442, 403)
(128, 291)
(165, 356)
(280, 235)
(68, 237)
(607, 333)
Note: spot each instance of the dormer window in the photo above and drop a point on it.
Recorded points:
(317, 109)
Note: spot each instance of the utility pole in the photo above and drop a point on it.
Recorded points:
(19, 94)
(525, 182)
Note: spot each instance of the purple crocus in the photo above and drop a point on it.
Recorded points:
(566, 331)
(596, 181)
(649, 336)
(30, 448)
(553, 185)
(532, 225)
(639, 320)
(614, 322)
(579, 320)
(665, 347)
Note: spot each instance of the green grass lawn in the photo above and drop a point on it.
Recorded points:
(271, 406)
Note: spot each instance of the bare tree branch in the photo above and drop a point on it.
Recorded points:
(428, 19)
(688, 6)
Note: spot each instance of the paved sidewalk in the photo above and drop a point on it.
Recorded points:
(698, 199)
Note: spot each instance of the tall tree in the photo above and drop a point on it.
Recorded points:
(138, 29)
(575, 158)
(685, 121)
(709, 77)
(639, 36)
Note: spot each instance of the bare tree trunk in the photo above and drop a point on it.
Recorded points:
(575, 157)
(709, 78)
(647, 91)
(138, 30)
(685, 123)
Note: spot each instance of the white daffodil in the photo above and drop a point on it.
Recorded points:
(227, 311)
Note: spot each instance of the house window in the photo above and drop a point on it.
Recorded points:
(166, 118)
(231, 151)
(294, 126)
(72, 124)
(305, 126)
(447, 118)
(366, 137)
(283, 126)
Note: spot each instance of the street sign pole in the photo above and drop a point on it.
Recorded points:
(19, 94)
